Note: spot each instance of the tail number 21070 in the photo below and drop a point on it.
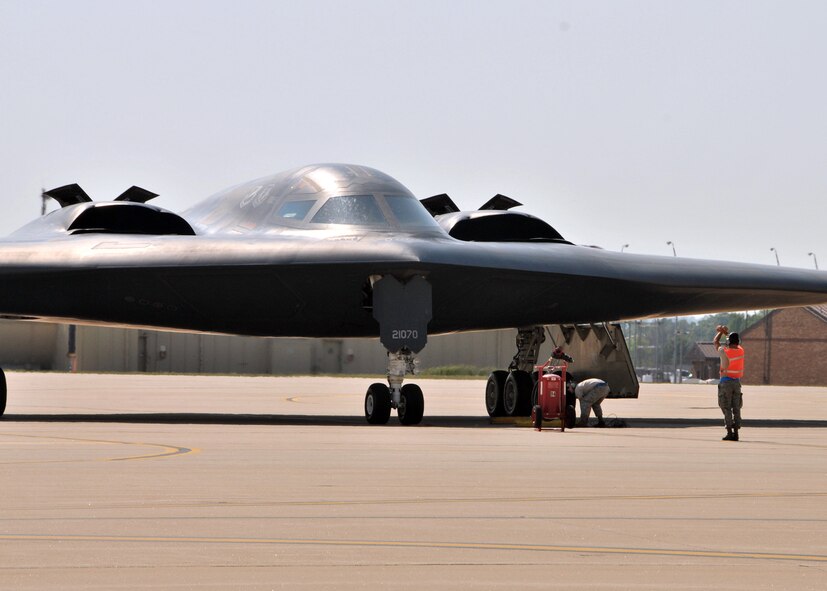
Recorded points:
(404, 333)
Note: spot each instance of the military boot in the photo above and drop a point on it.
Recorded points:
(735, 434)
(729, 436)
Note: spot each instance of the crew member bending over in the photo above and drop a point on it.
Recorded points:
(591, 393)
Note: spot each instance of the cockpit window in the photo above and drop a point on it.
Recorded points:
(408, 211)
(295, 210)
(350, 209)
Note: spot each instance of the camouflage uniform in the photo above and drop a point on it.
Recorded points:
(731, 401)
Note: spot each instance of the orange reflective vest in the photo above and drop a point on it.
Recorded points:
(735, 369)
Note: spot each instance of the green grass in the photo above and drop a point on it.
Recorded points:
(456, 371)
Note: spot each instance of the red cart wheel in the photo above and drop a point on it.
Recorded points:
(537, 417)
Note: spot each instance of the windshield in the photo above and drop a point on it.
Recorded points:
(350, 209)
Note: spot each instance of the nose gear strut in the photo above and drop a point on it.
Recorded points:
(403, 311)
(407, 400)
(399, 365)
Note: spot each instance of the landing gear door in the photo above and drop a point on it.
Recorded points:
(599, 351)
(403, 311)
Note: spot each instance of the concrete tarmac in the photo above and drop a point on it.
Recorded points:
(194, 482)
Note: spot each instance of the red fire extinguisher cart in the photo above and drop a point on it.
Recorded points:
(551, 396)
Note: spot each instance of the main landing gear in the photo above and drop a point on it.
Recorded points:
(513, 392)
(509, 393)
(407, 400)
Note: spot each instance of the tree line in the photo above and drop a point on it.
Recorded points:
(665, 342)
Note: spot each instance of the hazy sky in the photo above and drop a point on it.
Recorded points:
(639, 122)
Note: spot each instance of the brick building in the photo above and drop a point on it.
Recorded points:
(705, 361)
(787, 348)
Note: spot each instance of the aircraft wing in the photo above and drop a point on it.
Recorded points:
(299, 254)
(321, 286)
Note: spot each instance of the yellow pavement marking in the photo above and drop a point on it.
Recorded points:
(414, 544)
(168, 450)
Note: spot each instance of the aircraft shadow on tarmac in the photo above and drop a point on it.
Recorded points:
(359, 421)
(678, 423)
(235, 419)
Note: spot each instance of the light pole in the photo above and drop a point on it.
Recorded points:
(637, 342)
(777, 262)
(658, 351)
(625, 246)
(815, 259)
(679, 345)
(676, 378)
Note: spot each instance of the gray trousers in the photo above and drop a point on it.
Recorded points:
(730, 400)
(591, 401)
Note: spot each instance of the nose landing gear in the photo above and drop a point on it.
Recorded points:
(407, 400)
(403, 309)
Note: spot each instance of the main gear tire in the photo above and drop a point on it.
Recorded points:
(494, 393)
(517, 394)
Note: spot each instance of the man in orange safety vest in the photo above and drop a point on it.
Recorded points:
(730, 398)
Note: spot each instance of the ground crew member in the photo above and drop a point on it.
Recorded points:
(591, 393)
(729, 388)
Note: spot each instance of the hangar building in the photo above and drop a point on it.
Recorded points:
(41, 346)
